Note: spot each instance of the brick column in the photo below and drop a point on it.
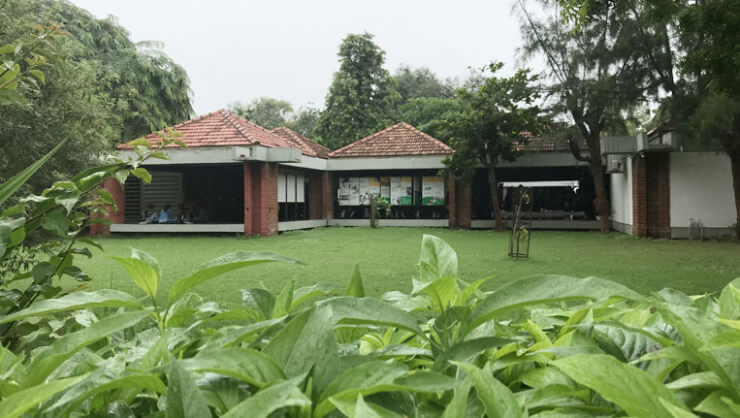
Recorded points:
(267, 201)
(639, 196)
(327, 196)
(451, 200)
(115, 215)
(315, 195)
(657, 179)
(463, 204)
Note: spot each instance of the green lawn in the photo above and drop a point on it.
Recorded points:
(387, 258)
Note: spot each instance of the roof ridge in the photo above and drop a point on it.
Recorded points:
(228, 116)
(365, 139)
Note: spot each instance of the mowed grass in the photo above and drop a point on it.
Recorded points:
(388, 256)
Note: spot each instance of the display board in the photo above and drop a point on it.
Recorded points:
(401, 191)
(348, 193)
(385, 187)
(291, 188)
(433, 191)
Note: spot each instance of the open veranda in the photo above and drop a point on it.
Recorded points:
(387, 257)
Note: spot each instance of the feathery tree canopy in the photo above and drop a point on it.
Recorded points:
(102, 89)
(493, 118)
(362, 97)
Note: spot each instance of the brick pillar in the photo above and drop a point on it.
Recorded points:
(315, 195)
(639, 196)
(265, 198)
(463, 204)
(248, 201)
(327, 196)
(451, 212)
(115, 215)
(657, 180)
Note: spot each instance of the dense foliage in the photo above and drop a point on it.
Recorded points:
(362, 97)
(543, 346)
(99, 89)
(494, 123)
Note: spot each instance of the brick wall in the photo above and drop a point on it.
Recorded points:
(651, 199)
(115, 216)
(260, 199)
(657, 179)
(639, 197)
(451, 200)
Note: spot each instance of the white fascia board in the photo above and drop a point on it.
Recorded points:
(409, 162)
(194, 155)
(308, 162)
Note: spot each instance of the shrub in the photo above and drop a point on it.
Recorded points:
(541, 346)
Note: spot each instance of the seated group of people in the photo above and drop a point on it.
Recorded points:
(165, 216)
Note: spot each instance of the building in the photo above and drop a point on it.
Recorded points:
(235, 176)
(661, 188)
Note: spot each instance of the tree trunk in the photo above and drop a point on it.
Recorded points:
(493, 185)
(601, 203)
(735, 164)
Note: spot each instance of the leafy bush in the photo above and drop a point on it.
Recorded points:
(542, 346)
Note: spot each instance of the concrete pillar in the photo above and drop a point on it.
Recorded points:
(116, 214)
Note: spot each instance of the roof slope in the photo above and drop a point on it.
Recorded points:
(397, 140)
(307, 146)
(221, 128)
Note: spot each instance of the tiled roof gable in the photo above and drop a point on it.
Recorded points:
(221, 128)
(307, 146)
(398, 140)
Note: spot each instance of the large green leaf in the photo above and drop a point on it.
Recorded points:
(45, 361)
(358, 408)
(545, 289)
(283, 301)
(266, 401)
(463, 350)
(139, 382)
(495, 396)
(437, 259)
(142, 273)
(355, 288)
(222, 265)
(78, 300)
(184, 399)
(21, 402)
(244, 364)
(634, 390)
(369, 311)
(14, 183)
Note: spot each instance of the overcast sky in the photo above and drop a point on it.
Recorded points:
(238, 50)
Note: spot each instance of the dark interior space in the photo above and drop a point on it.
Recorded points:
(546, 202)
(195, 194)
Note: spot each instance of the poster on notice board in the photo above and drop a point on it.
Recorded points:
(432, 191)
(401, 191)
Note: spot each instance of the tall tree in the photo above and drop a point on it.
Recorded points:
(304, 121)
(494, 118)
(429, 115)
(596, 73)
(362, 97)
(417, 83)
(266, 112)
(102, 89)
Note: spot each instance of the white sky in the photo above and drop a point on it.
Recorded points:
(239, 50)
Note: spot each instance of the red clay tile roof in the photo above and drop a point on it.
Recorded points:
(307, 146)
(400, 139)
(221, 128)
(556, 140)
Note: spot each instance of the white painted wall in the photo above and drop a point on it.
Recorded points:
(701, 188)
(621, 194)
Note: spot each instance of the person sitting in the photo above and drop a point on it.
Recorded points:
(165, 216)
(150, 216)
